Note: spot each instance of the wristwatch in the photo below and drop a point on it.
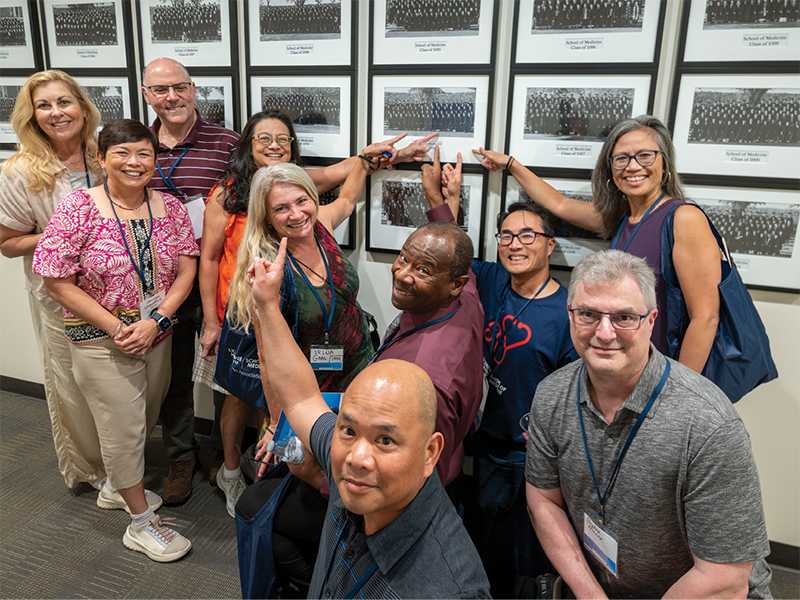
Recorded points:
(164, 323)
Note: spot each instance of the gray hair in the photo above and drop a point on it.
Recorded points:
(614, 266)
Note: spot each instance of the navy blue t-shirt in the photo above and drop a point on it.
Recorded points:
(518, 354)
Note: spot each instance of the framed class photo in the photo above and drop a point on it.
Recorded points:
(432, 32)
(740, 31)
(760, 230)
(454, 105)
(290, 33)
(562, 121)
(196, 33)
(18, 36)
(397, 207)
(319, 108)
(572, 243)
(344, 233)
(738, 125)
(565, 31)
(111, 96)
(85, 33)
(215, 100)
(10, 88)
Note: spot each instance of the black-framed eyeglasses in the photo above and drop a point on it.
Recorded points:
(619, 320)
(525, 237)
(265, 139)
(163, 90)
(645, 158)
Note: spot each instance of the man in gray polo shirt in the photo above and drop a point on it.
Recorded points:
(390, 530)
(680, 512)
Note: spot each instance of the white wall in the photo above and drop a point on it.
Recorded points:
(771, 413)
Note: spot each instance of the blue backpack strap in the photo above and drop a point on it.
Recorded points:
(674, 306)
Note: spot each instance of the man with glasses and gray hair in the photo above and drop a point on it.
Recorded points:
(641, 457)
(192, 156)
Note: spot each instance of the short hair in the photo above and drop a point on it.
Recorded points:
(463, 249)
(428, 405)
(125, 131)
(147, 66)
(548, 221)
(614, 266)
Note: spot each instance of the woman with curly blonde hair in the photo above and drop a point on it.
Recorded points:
(55, 123)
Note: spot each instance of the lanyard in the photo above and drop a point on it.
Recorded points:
(639, 224)
(632, 434)
(327, 317)
(397, 338)
(86, 169)
(519, 312)
(139, 270)
(168, 178)
(360, 583)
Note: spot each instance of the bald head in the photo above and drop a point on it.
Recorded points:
(165, 66)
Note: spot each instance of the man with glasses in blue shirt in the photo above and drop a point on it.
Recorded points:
(641, 457)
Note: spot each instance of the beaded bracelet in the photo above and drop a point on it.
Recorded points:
(508, 164)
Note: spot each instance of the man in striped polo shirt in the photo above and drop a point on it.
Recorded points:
(192, 155)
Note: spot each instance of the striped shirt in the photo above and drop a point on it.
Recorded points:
(208, 150)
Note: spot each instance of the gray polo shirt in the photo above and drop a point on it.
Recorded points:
(424, 553)
(688, 484)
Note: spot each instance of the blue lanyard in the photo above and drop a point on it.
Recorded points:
(86, 169)
(360, 583)
(632, 434)
(139, 270)
(168, 178)
(519, 312)
(639, 224)
(327, 317)
(397, 338)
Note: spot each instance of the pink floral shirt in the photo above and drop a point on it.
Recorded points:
(79, 241)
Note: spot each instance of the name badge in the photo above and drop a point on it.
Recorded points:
(150, 304)
(326, 358)
(600, 543)
(196, 207)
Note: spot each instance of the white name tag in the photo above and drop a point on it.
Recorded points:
(600, 543)
(326, 358)
(150, 304)
(196, 207)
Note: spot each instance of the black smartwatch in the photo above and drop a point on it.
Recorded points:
(164, 323)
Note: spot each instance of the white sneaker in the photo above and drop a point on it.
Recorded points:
(111, 501)
(159, 542)
(233, 488)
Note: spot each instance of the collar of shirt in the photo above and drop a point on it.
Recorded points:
(189, 140)
(409, 321)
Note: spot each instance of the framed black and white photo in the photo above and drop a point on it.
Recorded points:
(423, 32)
(319, 108)
(454, 105)
(196, 33)
(215, 100)
(111, 96)
(760, 230)
(588, 31)
(344, 233)
(562, 121)
(738, 125)
(572, 243)
(19, 36)
(85, 33)
(397, 207)
(300, 32)
(10, 88)
(740, 31)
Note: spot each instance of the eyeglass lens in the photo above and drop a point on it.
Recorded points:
(265, 139)
(592, 318)
(645, 158)
(526, 238)
(160, 90)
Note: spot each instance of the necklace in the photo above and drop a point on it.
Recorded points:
(312, 271)
(123, 207)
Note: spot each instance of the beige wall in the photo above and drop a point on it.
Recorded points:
(771, 413)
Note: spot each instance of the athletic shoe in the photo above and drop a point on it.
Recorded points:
(112, 501)
(159, 542)
(233, 488)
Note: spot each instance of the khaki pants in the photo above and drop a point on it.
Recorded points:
(124, 393)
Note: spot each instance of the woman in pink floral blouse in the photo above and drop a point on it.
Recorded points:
(120, 259)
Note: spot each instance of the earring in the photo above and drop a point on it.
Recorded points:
(609, 188)
(666, 181)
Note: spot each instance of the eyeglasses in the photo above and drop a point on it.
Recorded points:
(645, 158)
(163, 90)
(525, 237)
(619, 320)
(265, 139)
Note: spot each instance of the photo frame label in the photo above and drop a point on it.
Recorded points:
(583, 44)
(439, 47)
(742, 264)
(186, 52)
(305, 143)
(572, 150)
(746, 156)
(765, 41)
(299, 49)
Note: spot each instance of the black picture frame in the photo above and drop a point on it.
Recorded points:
(275, 50)
(22, 58)
(200, 48)
(114, 97)
(606, 40)
(10, 87)
(449, 45)
(220, 106)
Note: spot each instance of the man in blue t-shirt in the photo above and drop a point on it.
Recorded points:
(526, 337)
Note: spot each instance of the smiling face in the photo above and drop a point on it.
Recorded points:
(421, 275)
(58, 112)
(174, 109)
(274, 153)
(291, 212)
(605, 350)
(129, 166)
(519, 258)
(636, 181)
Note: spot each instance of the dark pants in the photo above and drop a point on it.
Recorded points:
(177, 411)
